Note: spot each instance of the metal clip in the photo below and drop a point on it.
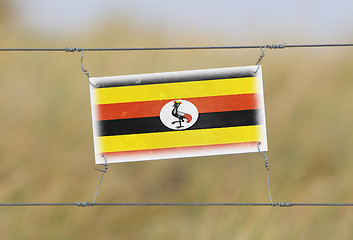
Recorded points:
(285, 204)
(84, 204)
(73, 49)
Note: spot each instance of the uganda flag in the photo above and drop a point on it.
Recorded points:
(178, 114)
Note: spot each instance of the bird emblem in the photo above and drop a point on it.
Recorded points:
(181, 116)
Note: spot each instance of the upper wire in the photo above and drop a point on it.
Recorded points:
(270, 46)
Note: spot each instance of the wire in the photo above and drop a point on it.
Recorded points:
(284, 204)
(273, 46)
(103, 172)
(88, 204)
(36, 204)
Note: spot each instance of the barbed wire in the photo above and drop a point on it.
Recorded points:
(269, 46)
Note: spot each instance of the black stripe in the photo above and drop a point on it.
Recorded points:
(154, 124)
(170, 77)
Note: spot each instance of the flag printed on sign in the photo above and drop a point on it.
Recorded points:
(178, 114)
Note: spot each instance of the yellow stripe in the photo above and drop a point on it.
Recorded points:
(179, 139)
(178, 90)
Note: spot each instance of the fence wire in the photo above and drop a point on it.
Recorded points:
(89, 204)
(268, 46)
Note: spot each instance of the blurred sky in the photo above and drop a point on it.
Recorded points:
(285, 21)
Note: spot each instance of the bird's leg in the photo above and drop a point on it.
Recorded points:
(180, 120)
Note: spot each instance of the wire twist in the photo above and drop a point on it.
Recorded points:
(260, 59)
(276, 46)
(263, 48)
(83, 68)
(67, 49)
(84, 204)
(263, 154)
(103, 173)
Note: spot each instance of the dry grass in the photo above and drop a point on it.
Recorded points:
(47, 149)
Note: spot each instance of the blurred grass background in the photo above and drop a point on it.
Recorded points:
(47, 148)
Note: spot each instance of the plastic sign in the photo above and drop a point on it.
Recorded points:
(178, 114)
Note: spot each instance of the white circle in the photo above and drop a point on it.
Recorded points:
(185, 114)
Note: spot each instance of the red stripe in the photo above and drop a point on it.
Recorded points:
(142, 153)
(153, 108)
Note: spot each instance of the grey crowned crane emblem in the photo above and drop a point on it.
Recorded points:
(179, 114)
